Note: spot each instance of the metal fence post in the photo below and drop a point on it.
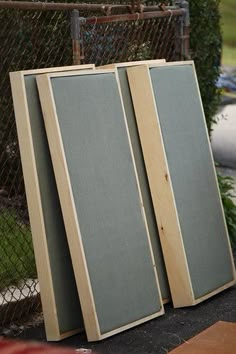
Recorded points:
(185, 29)
(75, 36)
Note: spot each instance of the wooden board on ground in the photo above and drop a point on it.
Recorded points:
(59, 296)
(217, 339)
(182, 181)
(101, 201)
(141, 170)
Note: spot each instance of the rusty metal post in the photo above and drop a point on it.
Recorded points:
(75, 36)
(186, 32)
(185, 29)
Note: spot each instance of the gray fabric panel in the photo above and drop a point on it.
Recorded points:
(193, 179)
(65, 290)
(106, 199)
(144, 185)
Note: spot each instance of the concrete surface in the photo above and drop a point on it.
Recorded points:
(223, 138)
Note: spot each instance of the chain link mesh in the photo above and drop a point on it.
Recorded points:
(36, 39)
(29, 39)
(131, 40)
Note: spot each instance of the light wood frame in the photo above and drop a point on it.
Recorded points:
(69, 211)
(132, 63)
(34, 199)
(161, 187)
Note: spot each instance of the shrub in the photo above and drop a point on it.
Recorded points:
(205, 46)
(16, 250)
(226, 185)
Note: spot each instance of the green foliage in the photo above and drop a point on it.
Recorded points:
(205, 45)
(16, 251)
(228, 13)
(206, 48)
(137, 51)
(226, 185)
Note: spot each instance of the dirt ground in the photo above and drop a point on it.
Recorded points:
(158, 336)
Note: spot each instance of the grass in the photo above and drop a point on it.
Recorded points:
(228, 15)
(16, 251)
(229, 55)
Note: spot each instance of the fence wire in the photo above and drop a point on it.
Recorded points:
(137, 39)
(36, 39)
(29, 39)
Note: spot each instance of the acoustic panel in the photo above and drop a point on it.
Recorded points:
(182, 180)
(59, 296)
(101, 201)
(142, 175)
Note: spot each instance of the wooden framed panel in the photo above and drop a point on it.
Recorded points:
(59, 296)
(141, 170)
(182, 181)
(101, 201)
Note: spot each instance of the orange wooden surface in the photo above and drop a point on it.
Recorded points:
(217, 339)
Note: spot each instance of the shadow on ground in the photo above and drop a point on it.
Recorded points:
(158, 336)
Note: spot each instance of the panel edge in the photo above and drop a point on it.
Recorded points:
(34, 203)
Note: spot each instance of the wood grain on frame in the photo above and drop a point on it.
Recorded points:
(132, 63)
(182, 180)
(101, 201)
(141, 170)
(59, 297)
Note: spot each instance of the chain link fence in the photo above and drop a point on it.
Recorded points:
(32, 38)
(130, 38)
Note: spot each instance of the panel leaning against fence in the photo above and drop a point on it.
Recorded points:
(57, 284)
(142, 175)
(101, 201)
(182, 180)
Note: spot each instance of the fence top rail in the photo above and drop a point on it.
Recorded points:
(132, 17)
(104, 8)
